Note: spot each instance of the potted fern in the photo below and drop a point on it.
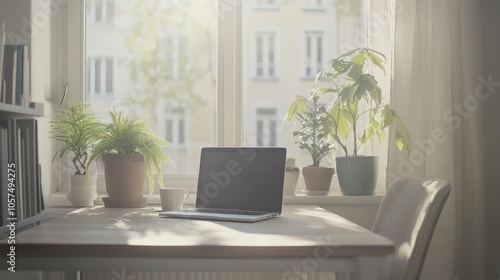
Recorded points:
(130, 152)
(77, 130)
(358, 101)
(313, 136)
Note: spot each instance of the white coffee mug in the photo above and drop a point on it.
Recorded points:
(172, 198)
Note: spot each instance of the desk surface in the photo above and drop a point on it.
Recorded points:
(104, 232)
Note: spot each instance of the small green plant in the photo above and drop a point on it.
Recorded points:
(358, 95)
(132, 136)
(315, 125)
(77, 129)
(290, 165)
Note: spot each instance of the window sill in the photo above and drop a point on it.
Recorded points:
(60, 199)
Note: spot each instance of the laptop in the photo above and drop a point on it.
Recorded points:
(237, 184)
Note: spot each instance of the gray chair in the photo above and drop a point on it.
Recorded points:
(407, 216)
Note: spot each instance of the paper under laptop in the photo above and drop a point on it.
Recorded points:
(237, 184)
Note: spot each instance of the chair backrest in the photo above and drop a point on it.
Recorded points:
(407, 216)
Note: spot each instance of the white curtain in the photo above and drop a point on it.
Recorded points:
(438, 89)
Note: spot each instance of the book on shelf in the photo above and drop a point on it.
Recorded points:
(29, 161)
(26, 93)
(4, 165)
(20, 196)
(16, 71)
(9, 72)
(19, 145)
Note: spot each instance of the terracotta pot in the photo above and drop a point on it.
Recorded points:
(124, 175)
(83, 190)
(318, 179)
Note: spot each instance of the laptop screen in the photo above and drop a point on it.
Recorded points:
(241, 179)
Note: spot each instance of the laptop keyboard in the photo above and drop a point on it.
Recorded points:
(224, 211)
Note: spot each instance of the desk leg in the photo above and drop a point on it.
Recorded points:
(367, 269)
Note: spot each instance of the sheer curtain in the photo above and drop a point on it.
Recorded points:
(438, 89)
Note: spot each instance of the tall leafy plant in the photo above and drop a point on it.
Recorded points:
(77, 130)
(358, 95)
(132, 136)
(315, 125)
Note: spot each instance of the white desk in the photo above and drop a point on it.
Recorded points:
(304, 238)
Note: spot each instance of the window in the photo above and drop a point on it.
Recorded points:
(267, 127)
(266, 4)
(100, 11)
(265, 49)
(175, 126)
(314, 5)
(100, 76)
(164, 53)
(170, 51)
(313, 53)
(225, 97)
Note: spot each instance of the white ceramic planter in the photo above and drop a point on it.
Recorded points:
(83, 190)
(290, 183)
(357, 175)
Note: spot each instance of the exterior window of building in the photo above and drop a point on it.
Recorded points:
(266, 127)
(314, 5)
(265, 58)
(100, 76)
(170, 51)
(101, 11)
(313, 53)
(266, 4)
(175, 126)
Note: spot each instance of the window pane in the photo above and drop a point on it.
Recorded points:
(97, 76)
(295, 42)
(110, 10)
(162, 56)
(98, 10)
(109, 76)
